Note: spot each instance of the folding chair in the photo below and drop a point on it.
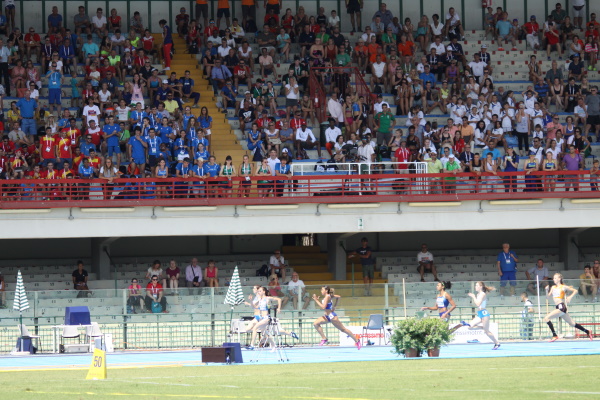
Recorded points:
(26, 335)
(70, 332)
(93, 332)
(375, 324)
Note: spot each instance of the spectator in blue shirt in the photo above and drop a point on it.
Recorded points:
(55, 21)
(219, 76)
(154, 143)
(86, 171)
(541, 87)
(66, 52)
(427, 76)
(491, 149)
(29, 108)
(211, 170)
(162, 92)
(187, 89)
(137, 148)
(229, 93)
(54, 88)
(183, 170)
(111, 136)
(507, 268)
(503, 31)
(87, 145)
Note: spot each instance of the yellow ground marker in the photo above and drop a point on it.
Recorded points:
(98, 366)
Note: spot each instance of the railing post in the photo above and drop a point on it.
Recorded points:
(386, 295)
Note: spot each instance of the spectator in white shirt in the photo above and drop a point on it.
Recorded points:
(297, 289)
(476, 66)
(99, 23)
(335, 108)
(425, 260)
(331, 135)
(277, 265)
(306, 140)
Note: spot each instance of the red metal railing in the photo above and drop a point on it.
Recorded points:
(383, 187)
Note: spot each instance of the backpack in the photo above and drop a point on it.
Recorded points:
(263, 271)
(257, 154)
(156, 307)
(384, 151)
(193, 48)
(302, 155)
(320, 167)
(331, 165)
(377, 89)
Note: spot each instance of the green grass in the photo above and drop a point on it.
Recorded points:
(570, 377)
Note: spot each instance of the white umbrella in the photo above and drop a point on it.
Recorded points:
(20, 303)
(234, 295)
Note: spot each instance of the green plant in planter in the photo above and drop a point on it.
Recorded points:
(420, 335)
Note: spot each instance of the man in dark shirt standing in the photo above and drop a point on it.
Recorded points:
(368, 264)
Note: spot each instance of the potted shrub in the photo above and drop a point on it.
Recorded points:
(413, 336)
(438, 335)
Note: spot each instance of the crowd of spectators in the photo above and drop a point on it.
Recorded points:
(133, 123)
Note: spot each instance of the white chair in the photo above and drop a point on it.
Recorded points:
(24, 332)
(93, 332)
(375, 324)
(70, 332)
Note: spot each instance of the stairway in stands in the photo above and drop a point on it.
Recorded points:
(223, 141)
(312, 266)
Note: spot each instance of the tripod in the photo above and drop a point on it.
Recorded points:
(272, 335)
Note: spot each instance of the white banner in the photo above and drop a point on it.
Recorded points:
(466, 335)
(373, 336)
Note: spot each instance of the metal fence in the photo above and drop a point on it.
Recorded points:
(203, 320)
(384, 186)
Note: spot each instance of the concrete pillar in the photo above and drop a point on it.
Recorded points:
(336, 242)
(568, 247)
(100, 258)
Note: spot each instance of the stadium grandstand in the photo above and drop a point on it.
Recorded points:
(150, 148)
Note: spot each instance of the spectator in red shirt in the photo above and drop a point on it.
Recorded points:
(33, 43)
(48, 147)
(77, 158)
(50, 172)
(3, 162)
(592, 30)
(155, 293)
(553, 40)
(95, 160)
(73, 133)
(18, 165)
(297, 121)
(114, 21)
(402, 155)
(64, 153)
(209, 30)
(7, 145)
(66, 172)
(532, 32)
(96, 133)
(242, 74)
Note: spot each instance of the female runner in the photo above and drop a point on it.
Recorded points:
(558, 293)
(442, 301)
(328, 305)
(483, 316)
(261, 301)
